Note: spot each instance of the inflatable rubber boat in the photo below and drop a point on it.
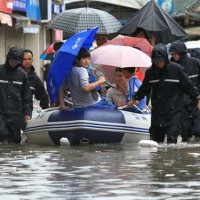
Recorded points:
(87, 125)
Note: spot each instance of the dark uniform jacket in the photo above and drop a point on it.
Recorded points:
(37, 89)
(15, 94)
(166, 87)
(195, 53)
(190, 65)
(192, 68)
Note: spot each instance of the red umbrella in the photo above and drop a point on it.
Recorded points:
(136, 42)
(48, 53)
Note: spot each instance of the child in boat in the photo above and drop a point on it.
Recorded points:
(82, 91)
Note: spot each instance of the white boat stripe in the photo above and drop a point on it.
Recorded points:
(88, 126)
(83, 125)
(100, 129)
(92, 122)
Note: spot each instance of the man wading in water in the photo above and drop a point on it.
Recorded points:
(166, 83)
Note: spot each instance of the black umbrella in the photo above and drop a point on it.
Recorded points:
(154, 20)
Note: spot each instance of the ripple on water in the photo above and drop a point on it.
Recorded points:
(107, 172)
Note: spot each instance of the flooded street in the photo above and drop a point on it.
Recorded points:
(99, 172)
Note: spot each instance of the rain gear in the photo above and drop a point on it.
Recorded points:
(195, 53)
(15, 98)
(192, 67)
(167, 87)
(37, 89)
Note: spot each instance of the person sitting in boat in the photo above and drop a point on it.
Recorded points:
(117, 94)
(93, 78)
(133, 84)
(82, 91)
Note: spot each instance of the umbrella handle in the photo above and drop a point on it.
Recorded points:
(107, 81)
(108, 84)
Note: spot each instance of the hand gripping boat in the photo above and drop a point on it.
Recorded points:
(87, 125)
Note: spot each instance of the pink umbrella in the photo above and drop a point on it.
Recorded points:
(140, 43)
(119, 56)
(107, 57)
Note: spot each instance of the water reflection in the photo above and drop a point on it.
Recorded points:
(176, 172)
(99, 172)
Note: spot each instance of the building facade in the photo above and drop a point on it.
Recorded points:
(23, 24)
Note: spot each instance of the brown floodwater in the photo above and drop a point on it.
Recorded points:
(100, 172)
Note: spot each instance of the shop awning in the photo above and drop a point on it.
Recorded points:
(20, 17)
(21, 21)
(5, 19)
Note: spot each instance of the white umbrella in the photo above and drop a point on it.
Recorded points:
(79, 19)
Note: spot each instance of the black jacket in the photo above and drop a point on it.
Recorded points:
(190, 65)
(195, 53)
(167, 87)
(37, 89)
(15, 93)
(192, 68)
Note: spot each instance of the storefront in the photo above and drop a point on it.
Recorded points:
(5, 21)
(21, 31)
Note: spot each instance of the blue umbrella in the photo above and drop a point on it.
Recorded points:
(64, 59)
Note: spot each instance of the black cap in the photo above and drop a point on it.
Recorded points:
(15, 54)
(157, 57)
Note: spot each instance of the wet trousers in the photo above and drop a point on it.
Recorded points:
(171, 132)
(191, 125)
(9, 131)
